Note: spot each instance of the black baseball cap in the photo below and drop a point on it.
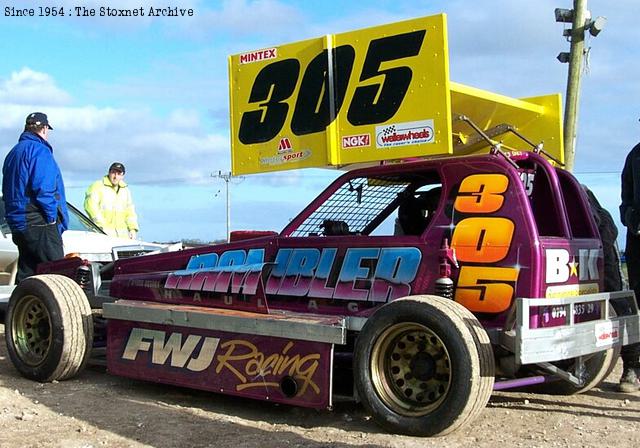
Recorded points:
(117, 166)
(38, 118)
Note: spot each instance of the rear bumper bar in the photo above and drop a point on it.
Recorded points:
(533, 343)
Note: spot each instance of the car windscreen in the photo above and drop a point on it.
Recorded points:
(77, 221)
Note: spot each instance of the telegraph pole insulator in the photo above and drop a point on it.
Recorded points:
(564, 15)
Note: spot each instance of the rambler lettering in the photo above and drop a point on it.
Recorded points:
(373, 274)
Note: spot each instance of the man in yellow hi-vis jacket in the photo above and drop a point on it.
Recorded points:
(108, 203)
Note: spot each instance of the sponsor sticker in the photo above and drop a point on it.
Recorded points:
(403, 134)
(287, 157)
(562, 291)
(284, 145)
(258, 55)
(356, 141)
(607, 333)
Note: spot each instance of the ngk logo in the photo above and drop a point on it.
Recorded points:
(356, 141)
(163, 349)
(284, 145)
(561, 265)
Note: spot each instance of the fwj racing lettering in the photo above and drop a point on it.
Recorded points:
(243, 361)
(481, 241)
(373, 274)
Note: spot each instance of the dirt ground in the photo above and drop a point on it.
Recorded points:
(99, 410)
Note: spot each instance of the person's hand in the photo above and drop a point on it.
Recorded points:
(133, 234)
(632, 220)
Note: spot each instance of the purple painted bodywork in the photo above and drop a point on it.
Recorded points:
(352, 275)
(145, 278)
(243, 365)
(522, 382)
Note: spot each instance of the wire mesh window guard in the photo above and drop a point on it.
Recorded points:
(358, 202)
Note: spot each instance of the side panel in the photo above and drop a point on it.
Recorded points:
(236, 364)
(572, 268)
(347, 275)
(493, 235)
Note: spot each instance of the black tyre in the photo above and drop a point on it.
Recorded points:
(48, 328)
(423, 366)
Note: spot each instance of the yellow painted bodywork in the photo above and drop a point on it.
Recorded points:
(269, 87)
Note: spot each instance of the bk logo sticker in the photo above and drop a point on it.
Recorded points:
(561, 265)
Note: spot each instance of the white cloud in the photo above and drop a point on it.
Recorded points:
(184, 119)
(29, 87)
(179, 143)
(86, 139)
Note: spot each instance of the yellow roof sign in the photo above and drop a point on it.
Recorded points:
(380, 93)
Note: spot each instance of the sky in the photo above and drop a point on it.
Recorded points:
(152, 93)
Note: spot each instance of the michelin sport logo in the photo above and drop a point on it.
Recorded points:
(286, 154)
(561, 265)
(403, 134)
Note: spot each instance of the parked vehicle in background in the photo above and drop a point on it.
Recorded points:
(83, 239)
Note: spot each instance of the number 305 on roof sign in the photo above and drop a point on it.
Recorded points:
(375, 94)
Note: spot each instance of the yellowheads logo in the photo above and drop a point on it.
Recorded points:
(403, 134)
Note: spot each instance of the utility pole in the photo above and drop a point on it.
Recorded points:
(580, 19)
(226, 177)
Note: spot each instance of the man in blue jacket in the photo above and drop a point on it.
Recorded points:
(33, 193)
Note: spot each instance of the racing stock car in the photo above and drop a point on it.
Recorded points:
(454, 257)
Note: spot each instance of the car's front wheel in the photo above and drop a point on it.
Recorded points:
(49, 328)
(424, 366)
